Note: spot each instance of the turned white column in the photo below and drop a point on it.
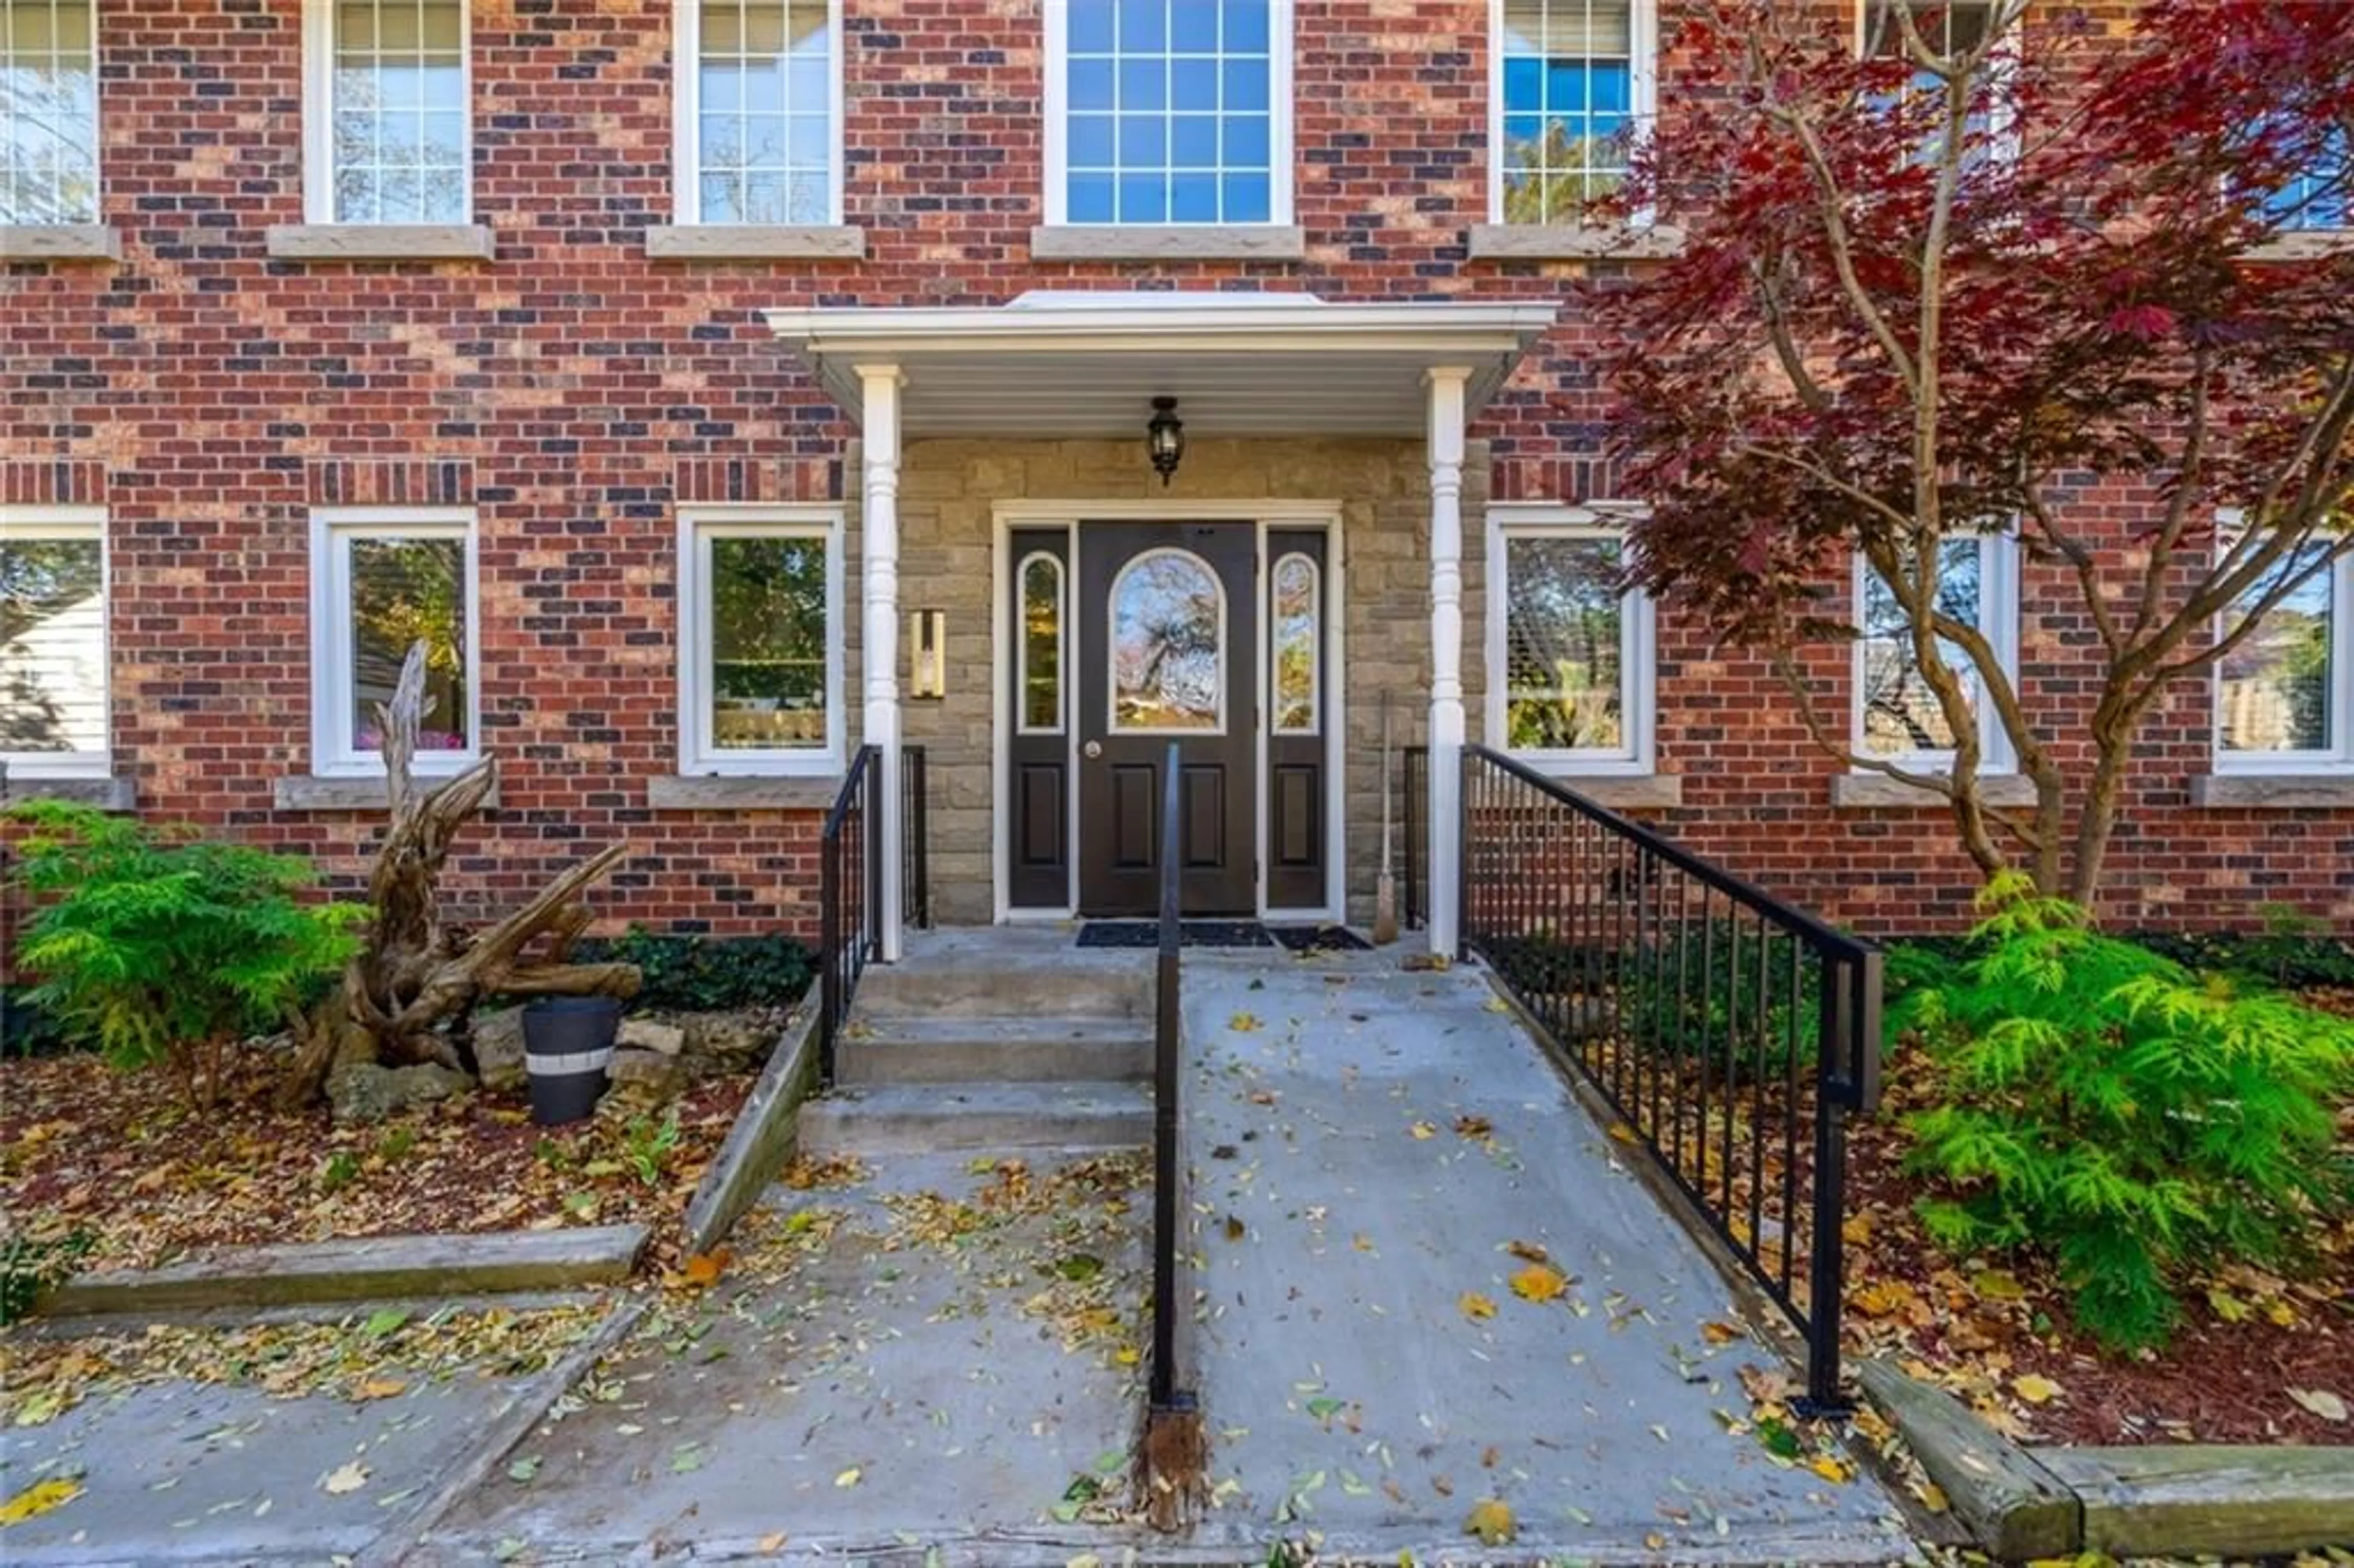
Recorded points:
(879, 558)
(1444, 447)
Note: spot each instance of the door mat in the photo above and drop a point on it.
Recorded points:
(1319, 939)
(1197, 934)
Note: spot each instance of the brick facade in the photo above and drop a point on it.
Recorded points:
(576, 393)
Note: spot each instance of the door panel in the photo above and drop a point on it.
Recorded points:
(1167, 615)
(1038, 759)
(1298, 598)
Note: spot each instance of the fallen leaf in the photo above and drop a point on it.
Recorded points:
(346, 1478)
(523, 1469)
(1718, 1333)
(704, 1269)
(1830, 1468)
(1998, 1285)
(848, 1478)
(1491, 1521)
(2321, 1402)
(1625, 1134)
(1528, 1252)
(1423, 1129)
(1474, 1306)
(39, 1498)
(772, 1542)
(1469, 1126)
(2035, 1388)
(1244, 1022)
(379, 1388)
(1538, 1282)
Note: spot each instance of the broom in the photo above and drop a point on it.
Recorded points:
(1385, 924)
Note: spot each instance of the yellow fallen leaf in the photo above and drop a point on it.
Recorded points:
(1718, 1333)
(1528, 1252)
(1491, 1521)
(1998, 1285)
(1932, 1497)
(1127, 1355)
(39, 1498)
(1828, 1468)
(1242, 1022)
(2321, 1402)
(379, 1388)
(772, 1542)
(2282, 1315)
(1423, 1129)
(2035, 1388)
(848, 1478)
(704, 1269)
(1625, 1134)
(345, 1477)
(1474, 1306)
(1538, 1282)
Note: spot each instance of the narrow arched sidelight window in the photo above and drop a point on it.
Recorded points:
(1040, 646)
(1298, 626)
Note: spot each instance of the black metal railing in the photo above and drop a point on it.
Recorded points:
(1732, 1032)
(916, 879)
(850, 903)
(1172, 1384)
(1413, 827)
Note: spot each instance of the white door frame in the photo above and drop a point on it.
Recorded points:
(1008, 516)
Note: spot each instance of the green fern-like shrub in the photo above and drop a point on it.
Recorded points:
(160, 948)
(2135, 1123)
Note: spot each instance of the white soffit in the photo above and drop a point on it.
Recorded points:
(1089, 363)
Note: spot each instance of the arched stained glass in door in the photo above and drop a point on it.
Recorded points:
(1168, 652)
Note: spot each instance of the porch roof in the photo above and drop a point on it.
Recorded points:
(1088, 364)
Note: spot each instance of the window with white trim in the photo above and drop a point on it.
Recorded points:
(2284, 695)
(382, 580)
(1168, 111)
(1573, 87)
(1898, 718)
(760, 641)
(387, 99)
(1041, 647)
(53, 647)
(48, 112)
(1948, 28)
(2322, 196)
(758, 100)
(1569, 646)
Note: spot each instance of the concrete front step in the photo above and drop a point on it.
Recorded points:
(959, 1050)
(1052, 983)
(907, 1119)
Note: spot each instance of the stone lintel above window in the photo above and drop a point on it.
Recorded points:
(1572, 242)
(381, 242)
(2304, 245)
(1174, 242)
(60, 242)
(755, 242)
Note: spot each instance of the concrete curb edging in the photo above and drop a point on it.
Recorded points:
(2162, 1499)
(368, 1269)
(764, 1137)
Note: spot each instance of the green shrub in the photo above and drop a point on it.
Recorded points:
(700, 974)
(158, 946)
(2097, 1101)
(29, 1267)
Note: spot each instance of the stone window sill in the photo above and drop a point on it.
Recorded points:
(107, 794)
(755, 242)
(1548, 242)
(1857, 792)
(311, 792)
(60, 242)
(1619, 791)
(2305, 245)
(703, 793)
(2273, 791)
(381, 242)
(1177, 242)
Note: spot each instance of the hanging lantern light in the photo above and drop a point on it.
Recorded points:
(1164, 438)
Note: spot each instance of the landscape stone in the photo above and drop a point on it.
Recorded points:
(367, 1092)
(729, 1042)
(646, 1034)
(498, 1051)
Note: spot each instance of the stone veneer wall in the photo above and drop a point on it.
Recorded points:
(947, 494)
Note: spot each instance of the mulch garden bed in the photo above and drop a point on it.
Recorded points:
(117, 1157)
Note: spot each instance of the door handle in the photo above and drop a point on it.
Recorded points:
(1092, 750)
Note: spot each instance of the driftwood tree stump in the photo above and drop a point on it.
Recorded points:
(420, 974)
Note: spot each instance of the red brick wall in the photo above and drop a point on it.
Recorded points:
(575, 393)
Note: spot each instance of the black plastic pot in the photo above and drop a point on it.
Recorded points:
(567, 1048)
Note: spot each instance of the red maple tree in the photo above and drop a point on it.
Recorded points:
(1958, 281)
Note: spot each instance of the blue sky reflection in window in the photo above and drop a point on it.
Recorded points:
(1169, 112)
(1568, 92)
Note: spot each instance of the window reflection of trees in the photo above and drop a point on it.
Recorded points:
(48, 114)
(405, 592)
(52, 625)
(399, 111)
(1564, 625)
(1296, 645)
(768, 643)
(1168, 632)
(1901, 714)
(1042, 644)
(2276, 683)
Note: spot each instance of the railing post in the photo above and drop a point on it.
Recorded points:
(1837, 1016)
(1459, 875)
(1167, 1210)
(828, 942)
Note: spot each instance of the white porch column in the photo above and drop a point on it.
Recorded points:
(879, 559)
(1446, 453)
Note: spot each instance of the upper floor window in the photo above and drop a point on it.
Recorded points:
(48, 112)
(1569, 656)
(1898, 717)
(759, 112)
(1168, 112)
(1947, 28)
(53, 692)
(386, 112)
(382, 580)
(2284, 695)
(1573, 87)
(2323, 196)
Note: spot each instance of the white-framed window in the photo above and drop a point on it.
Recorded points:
(757, 96)
(48, 112)
(760, 640)
(1572, 84)
(2285, 695)
(1040, 648)
(53, 641)
(1570, 650)
(1949, 27)
(1897, 717)
(2322, 197)
(1168, 111)
(388, 112)
(384, 578)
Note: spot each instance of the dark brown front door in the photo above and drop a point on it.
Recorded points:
(1167, 617)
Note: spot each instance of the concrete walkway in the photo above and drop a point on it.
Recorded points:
(1367, 1145)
